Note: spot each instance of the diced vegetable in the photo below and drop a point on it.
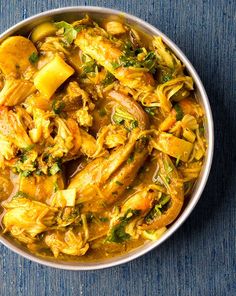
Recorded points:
(115, 28)
(51, 76)
(43, 30)
(14, 55)
(64, 198)
(174, 146)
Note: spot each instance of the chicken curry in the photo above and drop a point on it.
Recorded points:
(102, 139)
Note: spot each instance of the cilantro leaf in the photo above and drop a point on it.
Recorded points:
(33, 58)
(69, 32)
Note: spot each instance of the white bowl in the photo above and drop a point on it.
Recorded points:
(74, 13)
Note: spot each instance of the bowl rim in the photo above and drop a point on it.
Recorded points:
(82, 266)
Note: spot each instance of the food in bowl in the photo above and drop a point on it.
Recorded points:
(102, 138)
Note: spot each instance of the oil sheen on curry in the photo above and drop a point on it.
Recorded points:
(102, 139)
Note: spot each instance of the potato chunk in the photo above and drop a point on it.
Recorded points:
(43, 30)
(115, 28)
(14, 55)
(174, 146)
(51, 76)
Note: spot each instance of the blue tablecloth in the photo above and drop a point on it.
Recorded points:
(200, 259)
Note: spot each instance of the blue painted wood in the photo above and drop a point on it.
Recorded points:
(200, 258)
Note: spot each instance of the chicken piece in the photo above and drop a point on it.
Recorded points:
(105, 179)
(41, 188)
(27, 217)
(174, 185)
(15, 91)
(41, 129)
(141, 200)
(112, 135)
(15, 56)
(75, 97)
(123, 223)
(165, 57)
(67, 243)
(6, 185)
(173, 146)
(106, 52)
(133, 108)
(13, 135)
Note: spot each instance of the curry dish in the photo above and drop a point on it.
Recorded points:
(102, 139)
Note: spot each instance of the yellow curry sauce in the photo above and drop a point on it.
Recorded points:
(101, 139)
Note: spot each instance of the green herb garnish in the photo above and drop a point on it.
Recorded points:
(68, 31)
(108, 79)
(58, 106)
(118, 234)
(33, 58)
(102, 112)
(150, 110)
(119, 183)
(158, 209)
(131, 158)
(55, 168)
(26, 173)
(104, 219)
(179, 112)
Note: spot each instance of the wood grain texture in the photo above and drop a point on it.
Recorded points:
(200, 259)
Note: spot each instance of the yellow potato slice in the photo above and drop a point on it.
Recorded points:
(51, 76)
(174, 146)
(43, 30)
(14, 55)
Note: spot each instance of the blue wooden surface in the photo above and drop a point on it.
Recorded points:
(200, 259)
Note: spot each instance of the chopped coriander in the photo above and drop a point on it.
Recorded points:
(118, 234)
(167, 77)
(54, 169)
(158, 209)
(133, 124)
(119, 183)
(58, 106)
(103, 219)
(108, 79)
(202, 130)
(28, 148)
(150, 110)
(115, 64)
(167, 179)
(150, 61)
(131, 158)
(179, 112)
(21, 194)
(69, 32)
(177, 161)
(168, 167)
(102, 112)
(33, 58)
(26, 173)
(55, 186)
(89, 67)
